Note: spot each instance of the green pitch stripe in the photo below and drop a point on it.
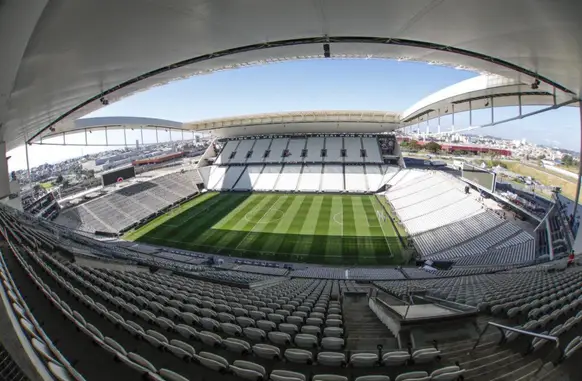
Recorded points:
(293, 238)
(310, 222)
(305, 226)
(318, 248)
(273, 233)
(196, 230)
(334, 242)
(350, 241)
(169, 218)
(274, 215)
(256, 219)
(382, 247)
(237, 227)
(194, 218)
(220, 235)
(365, 244)
(238, 213)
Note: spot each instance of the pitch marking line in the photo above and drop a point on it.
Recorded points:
(255, 224)
(338, 222)
(267, 222)
(195, 214)
(384, 233)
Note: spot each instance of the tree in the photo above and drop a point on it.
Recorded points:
(59, 179)
(413, 145)
(541, 157)
(567, 160)
(432, 147)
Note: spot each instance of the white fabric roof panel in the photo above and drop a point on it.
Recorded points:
(60, 54)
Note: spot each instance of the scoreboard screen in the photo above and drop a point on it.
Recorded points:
(479, 177)
(117, 175)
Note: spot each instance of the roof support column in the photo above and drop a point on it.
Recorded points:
(492, 111)
(453, 115)
(27, 161)
(124, 136)
(4, 179)
(470, 113)
(578, 239)
(439, 121)
(427, 129)
(106, 138)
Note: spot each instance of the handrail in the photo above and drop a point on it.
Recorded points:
(502, 327)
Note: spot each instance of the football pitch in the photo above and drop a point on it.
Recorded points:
(311, 228)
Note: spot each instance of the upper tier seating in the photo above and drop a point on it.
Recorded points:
(314, 147)
(258, 154)
(295, 148)
(333, 147)
(243, 150)
(227, 151)
(353, 147)
(278, 146)
(372, 150)
(300, 149)
(119, 210)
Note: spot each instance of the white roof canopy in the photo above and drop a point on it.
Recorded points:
(60, 57)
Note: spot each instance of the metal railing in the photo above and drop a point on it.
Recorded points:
(502, 328)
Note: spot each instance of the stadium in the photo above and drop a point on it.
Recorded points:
(290, 246)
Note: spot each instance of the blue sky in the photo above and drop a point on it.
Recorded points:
(311, 85)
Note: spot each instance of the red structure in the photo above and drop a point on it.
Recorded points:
(158, 159)
(452, 147)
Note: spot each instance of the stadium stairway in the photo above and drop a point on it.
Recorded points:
(363, 328)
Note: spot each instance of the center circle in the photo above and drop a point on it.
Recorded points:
(338, 218)
(264, 218)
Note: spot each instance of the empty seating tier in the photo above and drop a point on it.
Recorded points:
(310, 178)
(353, 147)
(253, 322)
(333, 178)
(123, 208)
(268, 178)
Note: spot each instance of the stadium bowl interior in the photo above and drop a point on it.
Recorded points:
(315, 254)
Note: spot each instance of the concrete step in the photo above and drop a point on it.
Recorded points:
(532, 366)
(547, 373)
(468, 354)
(464, 349)
(489, 371)
(482, 358)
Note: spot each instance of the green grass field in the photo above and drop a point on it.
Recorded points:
(325, 229)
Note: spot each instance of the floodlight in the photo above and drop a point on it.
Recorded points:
(326, 52)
